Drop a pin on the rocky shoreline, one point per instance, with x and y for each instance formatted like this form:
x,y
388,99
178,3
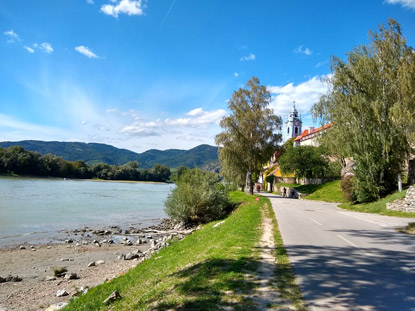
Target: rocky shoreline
x,y
29,278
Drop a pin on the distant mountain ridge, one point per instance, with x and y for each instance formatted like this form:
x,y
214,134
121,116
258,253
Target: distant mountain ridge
x,y
94,153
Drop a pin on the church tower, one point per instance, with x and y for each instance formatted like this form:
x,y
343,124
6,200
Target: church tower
x,y
293,124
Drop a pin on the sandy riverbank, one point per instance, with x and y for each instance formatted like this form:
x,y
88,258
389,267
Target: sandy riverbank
x,y
33,264
34,292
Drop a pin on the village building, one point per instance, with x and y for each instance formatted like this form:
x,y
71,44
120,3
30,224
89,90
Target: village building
x,y
309,137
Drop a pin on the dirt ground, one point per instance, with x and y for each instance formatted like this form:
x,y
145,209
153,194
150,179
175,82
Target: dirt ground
x,y
34,292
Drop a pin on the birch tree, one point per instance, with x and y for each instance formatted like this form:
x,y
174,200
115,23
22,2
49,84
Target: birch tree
x,y
371,103
251,132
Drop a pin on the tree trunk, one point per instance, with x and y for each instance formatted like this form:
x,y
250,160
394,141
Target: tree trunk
x,y
249,183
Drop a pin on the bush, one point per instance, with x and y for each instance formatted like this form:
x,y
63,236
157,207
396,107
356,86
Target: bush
x,y
347,187
198,198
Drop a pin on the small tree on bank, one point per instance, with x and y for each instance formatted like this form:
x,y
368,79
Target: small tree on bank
x,y
198,198
371,103
250,134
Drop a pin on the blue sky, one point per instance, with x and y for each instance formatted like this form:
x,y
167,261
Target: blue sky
x,y
158,73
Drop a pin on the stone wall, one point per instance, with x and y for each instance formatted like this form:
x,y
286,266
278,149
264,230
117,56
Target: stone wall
x,y
405,205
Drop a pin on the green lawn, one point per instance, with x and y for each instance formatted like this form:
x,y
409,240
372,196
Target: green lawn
x,y
379,207
328,192
210,269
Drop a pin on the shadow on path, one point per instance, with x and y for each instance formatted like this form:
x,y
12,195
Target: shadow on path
x,y
370,279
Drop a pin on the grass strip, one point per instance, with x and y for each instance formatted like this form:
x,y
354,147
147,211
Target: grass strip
x,y
208,270
379,207
327,192
284,274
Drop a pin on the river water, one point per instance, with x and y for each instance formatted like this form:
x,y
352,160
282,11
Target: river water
x,y
35,210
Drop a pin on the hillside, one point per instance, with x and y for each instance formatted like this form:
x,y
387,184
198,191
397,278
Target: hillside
x,y
91,153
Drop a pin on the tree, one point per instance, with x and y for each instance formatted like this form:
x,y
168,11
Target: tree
x,y
371,103
161,172
307,162
250,134
198,198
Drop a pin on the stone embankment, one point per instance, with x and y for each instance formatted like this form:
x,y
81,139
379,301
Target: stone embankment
x,y
406,204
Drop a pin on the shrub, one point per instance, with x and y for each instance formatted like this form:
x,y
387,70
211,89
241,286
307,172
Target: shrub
x,y
198,198
347,187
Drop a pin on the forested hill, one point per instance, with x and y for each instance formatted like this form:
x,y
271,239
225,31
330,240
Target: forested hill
x,y
91,153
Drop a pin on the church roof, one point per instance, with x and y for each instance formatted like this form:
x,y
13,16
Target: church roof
x,y
307,134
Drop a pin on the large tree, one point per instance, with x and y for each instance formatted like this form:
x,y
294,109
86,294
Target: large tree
x,y
250,133
371,103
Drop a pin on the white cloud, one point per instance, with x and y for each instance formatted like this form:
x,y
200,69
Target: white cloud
x,y
249,57
12,36
405,3
29,49
198,118
13,129
90,1
44,47
235,74
304,94
129,7
86,51
301,50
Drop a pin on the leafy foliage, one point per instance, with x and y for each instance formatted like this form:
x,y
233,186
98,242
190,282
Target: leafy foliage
x,y
250,134
308,162
371,104
346,185
17,160
198,198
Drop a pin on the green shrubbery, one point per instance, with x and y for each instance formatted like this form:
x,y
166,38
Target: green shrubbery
x,y
198,198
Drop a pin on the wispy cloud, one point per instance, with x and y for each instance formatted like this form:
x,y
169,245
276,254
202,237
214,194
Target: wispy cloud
x,y
86,51
198,118
235,74
129,7
301,50
12,36
248,57
90,1
320,64
29,49
45,47
304,94
405,3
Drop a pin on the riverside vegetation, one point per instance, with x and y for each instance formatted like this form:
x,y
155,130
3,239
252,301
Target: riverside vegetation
x,y
17,160
212,268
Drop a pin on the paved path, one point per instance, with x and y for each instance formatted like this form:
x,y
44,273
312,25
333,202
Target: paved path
x,y
346,260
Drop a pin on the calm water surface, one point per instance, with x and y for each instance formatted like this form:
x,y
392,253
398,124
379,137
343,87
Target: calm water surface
x,y
35,209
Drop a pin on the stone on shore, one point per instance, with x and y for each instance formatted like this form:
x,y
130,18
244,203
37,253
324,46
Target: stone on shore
x,y
71,276
92,264
61,293
111,298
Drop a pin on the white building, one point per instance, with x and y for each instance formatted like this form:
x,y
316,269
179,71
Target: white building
x,y
293,124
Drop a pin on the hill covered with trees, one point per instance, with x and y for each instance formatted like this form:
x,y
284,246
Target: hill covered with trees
x,y
92,153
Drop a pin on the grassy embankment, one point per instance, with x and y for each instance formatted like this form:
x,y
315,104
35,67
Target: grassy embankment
x,y
210,269
331,192
327,192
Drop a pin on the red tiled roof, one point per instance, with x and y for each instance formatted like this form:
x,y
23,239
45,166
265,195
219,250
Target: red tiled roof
x,y
306,133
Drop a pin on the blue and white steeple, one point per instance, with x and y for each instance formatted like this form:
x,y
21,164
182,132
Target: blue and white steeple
x,y
293,124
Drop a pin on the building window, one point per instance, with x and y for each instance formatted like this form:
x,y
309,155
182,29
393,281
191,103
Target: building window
x,y
296,130
288,130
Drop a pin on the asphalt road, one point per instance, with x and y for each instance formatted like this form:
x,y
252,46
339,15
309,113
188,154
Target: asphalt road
x,y
346,260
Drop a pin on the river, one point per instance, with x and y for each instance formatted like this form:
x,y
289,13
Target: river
x,y
36,210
